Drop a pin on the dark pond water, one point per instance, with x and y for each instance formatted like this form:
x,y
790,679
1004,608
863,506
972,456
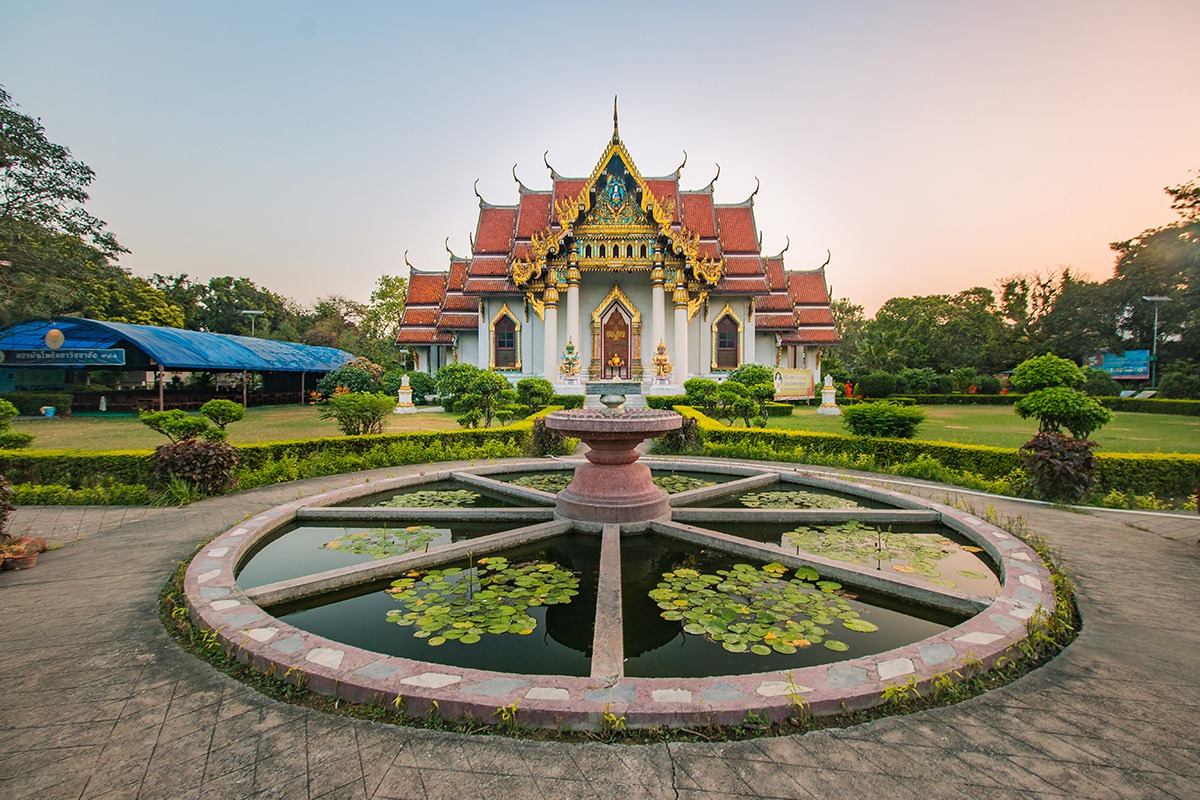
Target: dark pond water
x,y
559,644
299,549
657,647
486,499
969,571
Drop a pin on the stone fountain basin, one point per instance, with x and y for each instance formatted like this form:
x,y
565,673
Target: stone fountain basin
x,y
590,423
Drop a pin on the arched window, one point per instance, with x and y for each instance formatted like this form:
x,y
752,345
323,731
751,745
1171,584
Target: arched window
x,y
506,338
602,251
643,251
725,355
629,251
587,251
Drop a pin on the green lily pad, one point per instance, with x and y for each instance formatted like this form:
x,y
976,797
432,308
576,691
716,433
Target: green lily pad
x,y
552,482
674,484
943,582
795,499
972,574
384,542
836,646
430,498
860,625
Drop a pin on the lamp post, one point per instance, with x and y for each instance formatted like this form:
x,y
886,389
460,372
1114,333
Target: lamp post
x,y
1156,299
253,315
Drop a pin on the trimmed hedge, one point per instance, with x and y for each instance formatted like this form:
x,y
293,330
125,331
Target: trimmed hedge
x,y
567,401
1153,405
27,494
669,401
1165,475
964,399
29,404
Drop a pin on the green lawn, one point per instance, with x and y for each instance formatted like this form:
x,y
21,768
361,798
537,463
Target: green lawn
x,y
269,424
1000,426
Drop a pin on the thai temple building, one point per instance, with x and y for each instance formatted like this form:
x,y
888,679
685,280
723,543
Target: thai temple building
x,y
617,276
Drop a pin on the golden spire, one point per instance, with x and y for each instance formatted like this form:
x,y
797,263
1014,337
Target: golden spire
x,y
616,132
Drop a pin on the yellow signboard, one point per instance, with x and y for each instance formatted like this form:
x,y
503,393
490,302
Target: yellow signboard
x,y
794,384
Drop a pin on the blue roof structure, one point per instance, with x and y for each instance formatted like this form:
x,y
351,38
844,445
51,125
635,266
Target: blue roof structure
x,y
178,349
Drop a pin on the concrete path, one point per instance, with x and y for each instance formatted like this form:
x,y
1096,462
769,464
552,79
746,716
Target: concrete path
x,y
99,702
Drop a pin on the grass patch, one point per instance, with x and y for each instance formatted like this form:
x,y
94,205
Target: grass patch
x,y
998,426
265,424
1047,636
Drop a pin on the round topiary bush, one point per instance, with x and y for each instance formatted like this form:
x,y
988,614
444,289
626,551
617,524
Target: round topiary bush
x,y
876,384
883,419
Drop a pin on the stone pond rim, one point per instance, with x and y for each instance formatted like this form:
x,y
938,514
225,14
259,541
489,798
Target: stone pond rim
x,y
611,487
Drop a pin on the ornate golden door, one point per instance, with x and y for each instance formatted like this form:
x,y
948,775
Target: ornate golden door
x,y
617,340
616,334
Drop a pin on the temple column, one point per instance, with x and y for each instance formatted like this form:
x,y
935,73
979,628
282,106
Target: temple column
x,y
658,308
550,334
485,338
573,300
680,357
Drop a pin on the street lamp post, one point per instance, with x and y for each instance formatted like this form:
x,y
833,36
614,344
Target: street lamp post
x,y
1156,299
253,315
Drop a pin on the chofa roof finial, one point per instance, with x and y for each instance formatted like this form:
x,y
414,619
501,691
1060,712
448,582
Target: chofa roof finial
x,y
475,188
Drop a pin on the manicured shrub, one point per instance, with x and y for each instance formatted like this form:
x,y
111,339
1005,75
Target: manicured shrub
x,y
917,381
1045,371
1153,405
223,412
28,494
1178,386
15,440
453,381
545,442
752,374
569,401
963,378
29,404
876,385
175,424
536,393
360,375
669,401
1059,467
684,439
1098,383
7,413
988,384
357,413
702,393
206,466
1059,407
883,419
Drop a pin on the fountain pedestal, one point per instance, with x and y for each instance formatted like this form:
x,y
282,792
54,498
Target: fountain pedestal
x,y
612,487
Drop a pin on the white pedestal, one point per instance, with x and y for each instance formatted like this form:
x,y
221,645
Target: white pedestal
x,y
829,403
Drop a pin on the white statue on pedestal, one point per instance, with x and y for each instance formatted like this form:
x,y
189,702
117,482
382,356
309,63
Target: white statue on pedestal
x,y
829,399
404,404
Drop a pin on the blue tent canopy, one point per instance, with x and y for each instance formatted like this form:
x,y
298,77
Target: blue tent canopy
x,y
177,349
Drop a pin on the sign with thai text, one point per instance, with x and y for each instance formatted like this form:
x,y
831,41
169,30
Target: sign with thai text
x,y
1131,365
65,357
794,384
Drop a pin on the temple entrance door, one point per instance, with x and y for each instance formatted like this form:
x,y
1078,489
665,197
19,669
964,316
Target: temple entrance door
x,y
617,349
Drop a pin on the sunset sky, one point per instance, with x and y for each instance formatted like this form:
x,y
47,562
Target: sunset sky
x,y
930,146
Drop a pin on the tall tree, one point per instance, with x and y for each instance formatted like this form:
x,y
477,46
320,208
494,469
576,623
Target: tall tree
x,y
57,257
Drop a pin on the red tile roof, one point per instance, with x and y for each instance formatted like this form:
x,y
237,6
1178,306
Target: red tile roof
x,y
735,224
709,249
775,301
811,336
775,274
535,213
423,336
489,267
458,321
426,288
774,321
743,266
808,288
458,275
819,315
666,189
742,286
495,231
460,302
419,315
490,286
698,213
568,188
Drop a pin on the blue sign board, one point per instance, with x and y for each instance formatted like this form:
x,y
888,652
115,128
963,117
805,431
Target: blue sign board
x,y
65,357
1132,364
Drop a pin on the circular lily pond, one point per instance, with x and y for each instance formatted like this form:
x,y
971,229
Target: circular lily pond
x,y
763,589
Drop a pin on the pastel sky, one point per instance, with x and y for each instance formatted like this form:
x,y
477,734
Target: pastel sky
x,y
930,146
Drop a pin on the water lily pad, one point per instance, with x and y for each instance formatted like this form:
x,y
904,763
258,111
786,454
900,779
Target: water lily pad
x,y
385,542
972,574
490,599
760,650
943,582
860,625
836,646
552,482
429,498
674,484
795,499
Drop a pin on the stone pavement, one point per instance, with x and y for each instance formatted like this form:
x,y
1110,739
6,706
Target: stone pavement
x,y
100,703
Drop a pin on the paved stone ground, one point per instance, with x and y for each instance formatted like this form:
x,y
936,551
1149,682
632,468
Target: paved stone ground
x,y
100,703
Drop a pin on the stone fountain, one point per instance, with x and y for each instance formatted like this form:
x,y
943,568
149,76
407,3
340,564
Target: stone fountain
x,y
612,487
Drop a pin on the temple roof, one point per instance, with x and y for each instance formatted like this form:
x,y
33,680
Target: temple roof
x,y
721,239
